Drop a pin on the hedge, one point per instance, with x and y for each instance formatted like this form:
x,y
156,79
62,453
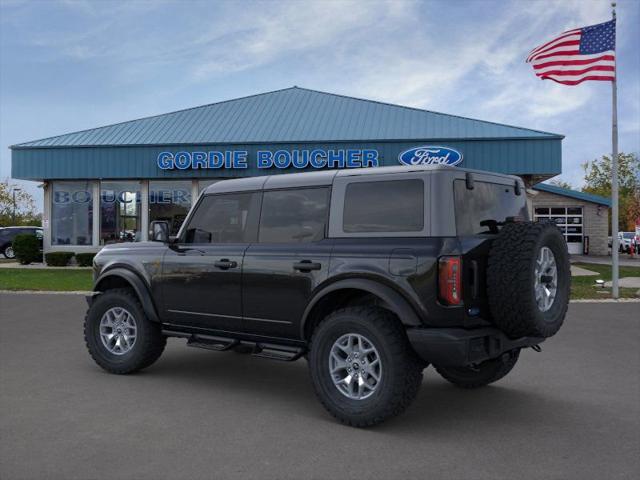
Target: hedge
x,y
85,259
27,248
58,259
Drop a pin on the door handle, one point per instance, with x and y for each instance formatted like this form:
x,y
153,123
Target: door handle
x,y
306,266
225,264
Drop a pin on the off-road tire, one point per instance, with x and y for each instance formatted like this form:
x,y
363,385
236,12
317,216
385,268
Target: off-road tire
x,y
510,279
401,375
487,372
149,344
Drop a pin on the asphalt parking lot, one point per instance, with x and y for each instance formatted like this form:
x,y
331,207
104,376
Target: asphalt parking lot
x,y
572,411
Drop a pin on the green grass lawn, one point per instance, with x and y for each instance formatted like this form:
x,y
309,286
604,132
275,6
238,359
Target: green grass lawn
x,y
583,287
45,279
69,280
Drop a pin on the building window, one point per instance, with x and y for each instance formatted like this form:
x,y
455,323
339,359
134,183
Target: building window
x,y
72,213
294,216
202,184
170,201
119,212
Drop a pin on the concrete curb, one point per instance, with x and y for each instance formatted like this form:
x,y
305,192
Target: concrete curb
x,y
606,300
45,292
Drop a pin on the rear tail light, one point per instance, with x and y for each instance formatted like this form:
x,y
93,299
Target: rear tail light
x,y
450,280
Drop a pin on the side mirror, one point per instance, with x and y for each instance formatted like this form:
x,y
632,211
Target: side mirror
x,y
159,231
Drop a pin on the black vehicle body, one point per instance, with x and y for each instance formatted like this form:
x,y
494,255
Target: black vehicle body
x,y
8,234
269,296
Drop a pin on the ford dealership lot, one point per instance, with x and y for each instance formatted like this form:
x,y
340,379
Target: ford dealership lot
x,y
570,413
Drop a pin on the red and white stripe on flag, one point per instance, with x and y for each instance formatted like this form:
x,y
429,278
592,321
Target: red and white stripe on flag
x,y
577,55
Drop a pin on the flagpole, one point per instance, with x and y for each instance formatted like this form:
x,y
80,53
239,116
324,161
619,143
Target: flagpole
x,y
614,177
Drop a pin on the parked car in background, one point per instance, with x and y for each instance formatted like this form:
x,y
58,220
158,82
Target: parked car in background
x,y
625,241
7,234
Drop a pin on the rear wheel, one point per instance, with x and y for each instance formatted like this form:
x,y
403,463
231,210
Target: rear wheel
x,y
480,375
362,366
119,336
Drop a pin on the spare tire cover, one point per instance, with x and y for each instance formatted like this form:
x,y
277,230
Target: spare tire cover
x,y
529,279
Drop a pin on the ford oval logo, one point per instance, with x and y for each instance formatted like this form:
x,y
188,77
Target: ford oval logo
x,y
430,155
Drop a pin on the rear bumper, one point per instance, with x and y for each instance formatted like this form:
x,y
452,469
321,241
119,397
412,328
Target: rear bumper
x,y
458,347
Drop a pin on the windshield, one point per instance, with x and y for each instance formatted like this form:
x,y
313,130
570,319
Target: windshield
x,y
628,234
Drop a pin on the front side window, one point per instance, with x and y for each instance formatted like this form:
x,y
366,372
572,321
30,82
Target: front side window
x,y
119,212
72,213
226,218
293,216
384,206
169,201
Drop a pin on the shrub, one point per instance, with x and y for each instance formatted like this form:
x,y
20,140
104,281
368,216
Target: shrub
x,y
58,259
85,259
27,248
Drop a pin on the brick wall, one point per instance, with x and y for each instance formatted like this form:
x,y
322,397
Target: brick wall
x,y
594,226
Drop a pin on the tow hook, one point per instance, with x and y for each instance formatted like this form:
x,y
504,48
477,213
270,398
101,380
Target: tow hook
x,y
536,348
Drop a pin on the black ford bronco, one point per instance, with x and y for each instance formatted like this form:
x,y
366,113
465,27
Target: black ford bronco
x,y
370,274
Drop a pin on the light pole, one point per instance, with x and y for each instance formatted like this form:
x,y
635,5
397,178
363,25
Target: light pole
x,y
14,203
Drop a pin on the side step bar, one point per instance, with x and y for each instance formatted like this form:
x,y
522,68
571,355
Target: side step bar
x,y
211,343
258,349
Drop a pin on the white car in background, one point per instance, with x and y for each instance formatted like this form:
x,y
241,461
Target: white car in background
x,y
625,240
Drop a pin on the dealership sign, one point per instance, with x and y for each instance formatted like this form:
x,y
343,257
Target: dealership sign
x,y
264,159
430,155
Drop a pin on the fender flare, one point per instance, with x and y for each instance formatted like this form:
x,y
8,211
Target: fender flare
x,y
397,303
138,285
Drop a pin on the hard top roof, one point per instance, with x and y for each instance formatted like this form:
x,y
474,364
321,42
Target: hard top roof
x,y
325,177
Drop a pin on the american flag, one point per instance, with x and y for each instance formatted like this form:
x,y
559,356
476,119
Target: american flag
x,y
587,53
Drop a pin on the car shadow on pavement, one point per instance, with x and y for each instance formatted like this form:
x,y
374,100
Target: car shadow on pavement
x,y
439,407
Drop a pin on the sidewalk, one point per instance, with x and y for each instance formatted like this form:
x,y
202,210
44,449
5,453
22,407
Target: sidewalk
x,y
39,266
625,260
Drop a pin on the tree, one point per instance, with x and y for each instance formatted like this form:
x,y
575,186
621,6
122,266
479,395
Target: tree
x,y
597,180
557,182
25,207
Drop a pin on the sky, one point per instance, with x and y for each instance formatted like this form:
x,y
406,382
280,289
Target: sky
x,y
72,65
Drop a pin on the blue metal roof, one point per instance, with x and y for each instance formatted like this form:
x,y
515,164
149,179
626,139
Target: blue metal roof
x,y
289,116
565,192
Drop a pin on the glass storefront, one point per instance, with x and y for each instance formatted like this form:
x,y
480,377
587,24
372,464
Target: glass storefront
x,y
116,212
170,201
119,212
72,213
202,184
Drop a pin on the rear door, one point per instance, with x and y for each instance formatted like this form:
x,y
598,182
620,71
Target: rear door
x,y
289,260
202,272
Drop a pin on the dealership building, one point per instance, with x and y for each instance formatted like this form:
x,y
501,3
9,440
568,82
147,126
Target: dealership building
x,y
105,185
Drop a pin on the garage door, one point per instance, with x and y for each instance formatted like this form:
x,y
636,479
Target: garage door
x,y
569,220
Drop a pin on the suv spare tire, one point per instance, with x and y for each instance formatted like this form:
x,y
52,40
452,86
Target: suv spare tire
x,y
528,279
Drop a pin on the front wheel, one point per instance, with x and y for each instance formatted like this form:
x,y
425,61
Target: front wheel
x,y
362,366
9,253
480,375
119,336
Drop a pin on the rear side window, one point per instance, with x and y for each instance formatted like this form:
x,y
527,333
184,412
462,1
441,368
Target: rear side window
x,y
293,216
384,206
487,201
228,218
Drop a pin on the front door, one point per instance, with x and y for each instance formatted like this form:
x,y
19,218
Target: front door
x,y
202,271
290,259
